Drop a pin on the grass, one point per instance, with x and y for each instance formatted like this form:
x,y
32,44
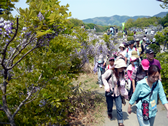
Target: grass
x,y
93,117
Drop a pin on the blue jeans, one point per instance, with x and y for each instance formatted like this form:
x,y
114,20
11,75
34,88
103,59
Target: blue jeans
x,y
118,102
150,122
100,72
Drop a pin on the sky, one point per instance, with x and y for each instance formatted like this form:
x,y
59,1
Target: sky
x,y
84,9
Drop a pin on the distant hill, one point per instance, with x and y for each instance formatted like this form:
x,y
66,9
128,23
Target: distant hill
x,y
161,14
116,19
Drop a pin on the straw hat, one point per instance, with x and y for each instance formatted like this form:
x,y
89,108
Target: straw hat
x,y
119,63
134,53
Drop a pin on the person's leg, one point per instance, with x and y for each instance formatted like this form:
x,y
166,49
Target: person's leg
x,y
151,120
140,119
118,103
102,72
109,101
99,77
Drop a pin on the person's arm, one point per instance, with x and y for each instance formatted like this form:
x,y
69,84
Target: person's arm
x,y
133,85
104,77
125,60
134,74
162,95
134,97
166,107
129,74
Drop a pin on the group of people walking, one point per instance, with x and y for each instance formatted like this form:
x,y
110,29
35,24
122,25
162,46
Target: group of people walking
x,y
129,76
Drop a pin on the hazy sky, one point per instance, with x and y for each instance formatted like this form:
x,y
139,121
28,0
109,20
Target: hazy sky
x,y
83,9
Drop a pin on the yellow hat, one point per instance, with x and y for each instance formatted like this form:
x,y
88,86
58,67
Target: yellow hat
x,y
135,54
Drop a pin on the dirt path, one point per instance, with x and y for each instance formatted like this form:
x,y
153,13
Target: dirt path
x,y
131,119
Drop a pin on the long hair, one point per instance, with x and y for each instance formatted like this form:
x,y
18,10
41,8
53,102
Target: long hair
x,y
118,75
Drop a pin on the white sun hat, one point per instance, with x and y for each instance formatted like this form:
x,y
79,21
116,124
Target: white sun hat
x,y
119,63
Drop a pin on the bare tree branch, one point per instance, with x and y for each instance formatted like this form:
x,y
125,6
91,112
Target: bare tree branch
x,y
22,58
23,102
34,97
19,51
5,49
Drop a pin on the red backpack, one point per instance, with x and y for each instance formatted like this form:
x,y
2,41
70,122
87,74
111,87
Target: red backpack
x,y
135,50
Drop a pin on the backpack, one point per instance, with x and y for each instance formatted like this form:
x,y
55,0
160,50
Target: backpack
x,y
135,50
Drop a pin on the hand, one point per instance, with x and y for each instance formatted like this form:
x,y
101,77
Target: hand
x,y
108,90
133,90
129,109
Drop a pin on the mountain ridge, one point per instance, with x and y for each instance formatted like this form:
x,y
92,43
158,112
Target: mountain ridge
x,y
117,19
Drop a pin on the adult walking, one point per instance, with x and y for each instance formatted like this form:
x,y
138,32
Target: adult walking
x,y
147,91
152,61
139,47
113,88
139,73
129,51
99,67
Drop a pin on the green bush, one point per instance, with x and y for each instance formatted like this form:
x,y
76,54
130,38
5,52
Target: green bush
x,y
130,33
155,48
129,38
163,58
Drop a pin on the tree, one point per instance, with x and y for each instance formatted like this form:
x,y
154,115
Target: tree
x,y
36,65
7,6
164,3
164,21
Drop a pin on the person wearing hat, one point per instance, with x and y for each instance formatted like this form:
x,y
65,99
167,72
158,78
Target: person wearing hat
x,y
126,45
139,47
139,73
129,71
99,67
114,84
147,44
129,51
121,52
152,61
146,96
111,64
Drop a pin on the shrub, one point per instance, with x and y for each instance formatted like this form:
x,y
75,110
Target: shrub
x,y
163,58
129,38
130,33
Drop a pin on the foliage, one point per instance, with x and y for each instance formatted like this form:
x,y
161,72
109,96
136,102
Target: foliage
x,y
163,58
75,22
142,22
162,36
164,21
164,4
130,33
7,6
37,63
129,38
82,102
155,48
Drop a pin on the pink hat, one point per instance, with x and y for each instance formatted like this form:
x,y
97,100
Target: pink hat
x,y
112,58
145,64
